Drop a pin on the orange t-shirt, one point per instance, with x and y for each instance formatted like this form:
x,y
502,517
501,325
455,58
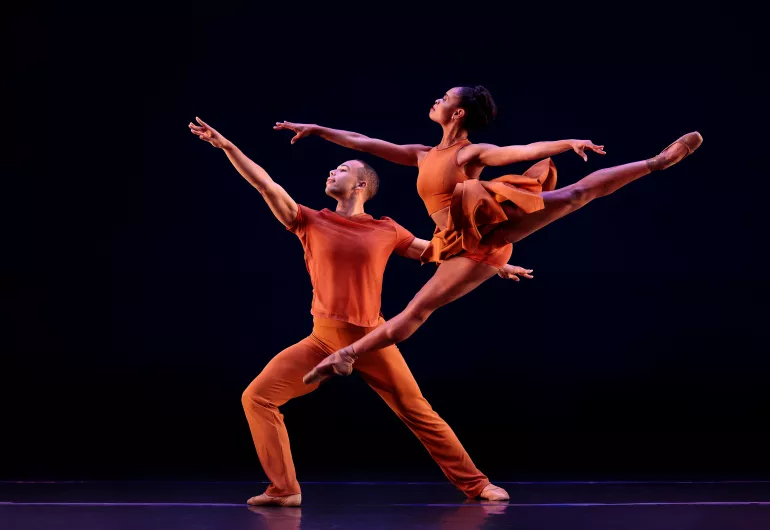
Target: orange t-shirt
x,y
346,258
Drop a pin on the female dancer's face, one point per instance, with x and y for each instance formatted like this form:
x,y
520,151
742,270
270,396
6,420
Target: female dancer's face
x,y
343,181
447,106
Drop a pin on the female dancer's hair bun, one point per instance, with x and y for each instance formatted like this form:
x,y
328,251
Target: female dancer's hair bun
x,y
480,108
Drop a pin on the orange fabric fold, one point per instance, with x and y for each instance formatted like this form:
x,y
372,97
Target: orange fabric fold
x,y
476,210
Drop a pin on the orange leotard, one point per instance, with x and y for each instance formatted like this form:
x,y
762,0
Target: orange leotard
x,y
438,176
475,205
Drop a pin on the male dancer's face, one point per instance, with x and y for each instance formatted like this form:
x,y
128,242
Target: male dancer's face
x,y
343,182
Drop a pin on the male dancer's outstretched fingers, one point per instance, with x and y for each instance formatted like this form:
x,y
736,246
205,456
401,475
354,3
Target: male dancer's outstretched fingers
x,y
301,129
207,133
512,272
196,129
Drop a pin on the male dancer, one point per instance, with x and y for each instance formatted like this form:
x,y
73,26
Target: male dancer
x,y
345,253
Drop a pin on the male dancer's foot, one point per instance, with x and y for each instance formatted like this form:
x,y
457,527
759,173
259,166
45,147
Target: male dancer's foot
x,y
269,500
676,152
494,493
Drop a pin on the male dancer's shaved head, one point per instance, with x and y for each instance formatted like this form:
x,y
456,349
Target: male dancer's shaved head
x,y
369,175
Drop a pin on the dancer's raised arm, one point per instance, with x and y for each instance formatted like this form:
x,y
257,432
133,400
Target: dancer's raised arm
x,y
280,202
493,155
406,155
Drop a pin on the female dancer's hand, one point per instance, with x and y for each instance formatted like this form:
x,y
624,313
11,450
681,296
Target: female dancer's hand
x,y
207,133
302,129
512,272
579,146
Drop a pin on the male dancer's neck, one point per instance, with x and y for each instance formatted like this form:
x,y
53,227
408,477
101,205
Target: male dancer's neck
x,y
349,207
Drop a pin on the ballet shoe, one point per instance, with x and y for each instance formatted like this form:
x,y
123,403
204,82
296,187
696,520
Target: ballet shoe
x,y
338,363
494,493
676,152
269,500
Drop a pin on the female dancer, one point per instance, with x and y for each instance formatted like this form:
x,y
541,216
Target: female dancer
x,y
477,221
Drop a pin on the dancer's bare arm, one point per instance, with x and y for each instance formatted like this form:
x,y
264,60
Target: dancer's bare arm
x,y
281,204
508,272
416,249
493,155
407,155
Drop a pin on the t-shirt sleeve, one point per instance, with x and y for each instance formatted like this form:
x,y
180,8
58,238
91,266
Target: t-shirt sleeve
x,y
300,223
404,238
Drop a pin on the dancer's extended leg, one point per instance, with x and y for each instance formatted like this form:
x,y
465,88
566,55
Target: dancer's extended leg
x,y
568,199
458,276
387,373
279,382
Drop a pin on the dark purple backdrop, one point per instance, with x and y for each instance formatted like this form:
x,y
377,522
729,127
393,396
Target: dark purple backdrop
x,y
145,283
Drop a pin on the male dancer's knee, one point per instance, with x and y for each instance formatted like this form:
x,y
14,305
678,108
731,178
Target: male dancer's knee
x,y
252,399
414,409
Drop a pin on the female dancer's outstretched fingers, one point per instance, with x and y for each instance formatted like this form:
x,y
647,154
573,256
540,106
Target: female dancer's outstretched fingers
x,y
598,149
301,129
580,146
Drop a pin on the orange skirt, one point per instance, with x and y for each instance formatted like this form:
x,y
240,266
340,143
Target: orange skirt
x,y
476,210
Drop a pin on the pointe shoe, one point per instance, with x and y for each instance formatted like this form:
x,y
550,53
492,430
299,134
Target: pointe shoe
x,y
338,363
269,500
494,493
676,152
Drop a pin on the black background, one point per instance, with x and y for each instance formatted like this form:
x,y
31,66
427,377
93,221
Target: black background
x,y
145,283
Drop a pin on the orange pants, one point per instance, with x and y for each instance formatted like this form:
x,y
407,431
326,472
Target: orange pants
x,y
384,370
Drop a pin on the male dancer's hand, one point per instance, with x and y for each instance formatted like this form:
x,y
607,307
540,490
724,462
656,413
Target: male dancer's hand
x,y
512,272
301,129
207,133
580,146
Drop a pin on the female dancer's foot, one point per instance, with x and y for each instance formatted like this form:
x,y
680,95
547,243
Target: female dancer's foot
x,y
269,500
676,152
494,493
339,363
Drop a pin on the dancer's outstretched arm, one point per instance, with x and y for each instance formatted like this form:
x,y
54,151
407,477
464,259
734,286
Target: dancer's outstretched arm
x,y
281,204
508,272
405,155
493,155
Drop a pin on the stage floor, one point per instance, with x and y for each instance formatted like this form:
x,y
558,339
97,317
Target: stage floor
x,y
378,505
